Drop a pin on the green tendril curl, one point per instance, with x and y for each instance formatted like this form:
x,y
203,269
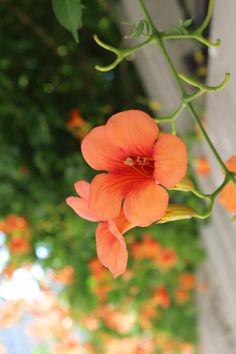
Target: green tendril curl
x,y
155,36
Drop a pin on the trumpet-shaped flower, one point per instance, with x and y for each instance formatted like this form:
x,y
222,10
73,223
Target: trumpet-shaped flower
x,y
140,163
111,247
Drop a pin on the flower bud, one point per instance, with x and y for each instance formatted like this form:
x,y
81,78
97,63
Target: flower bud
x,y
185,185
177,212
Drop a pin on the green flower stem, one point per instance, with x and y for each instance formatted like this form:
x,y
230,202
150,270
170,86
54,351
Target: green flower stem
x,y
211,198
202,195
207,19
195,95
192,35
206,136
120,53
172,117
197,34
203,87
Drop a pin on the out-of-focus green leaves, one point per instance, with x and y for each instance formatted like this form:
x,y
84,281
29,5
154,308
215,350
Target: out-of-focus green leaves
x,y
69,14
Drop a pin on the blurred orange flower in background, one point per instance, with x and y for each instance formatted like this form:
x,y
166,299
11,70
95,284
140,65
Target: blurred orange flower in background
x,y
146,314
64,275
128,345
69,345
228,195
77,124
99,272
19,245
11,311
9,270
149,248
14,223
181,296
167,259
202,166
161,297
103,281
187,281
50,318
120,321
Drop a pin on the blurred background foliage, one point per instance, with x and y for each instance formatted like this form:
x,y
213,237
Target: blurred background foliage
x,y
51,96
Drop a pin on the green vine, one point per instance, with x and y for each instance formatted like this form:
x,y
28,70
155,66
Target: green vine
x,y
155,36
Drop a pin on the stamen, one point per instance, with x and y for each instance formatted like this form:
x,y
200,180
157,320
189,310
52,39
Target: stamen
x,y
129,161
143,165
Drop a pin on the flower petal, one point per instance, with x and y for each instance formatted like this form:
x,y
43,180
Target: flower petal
x,y
121,223
228,197
82,188
80,206
106,196
111,249
134,131
231,164
170,156
99,152
146,204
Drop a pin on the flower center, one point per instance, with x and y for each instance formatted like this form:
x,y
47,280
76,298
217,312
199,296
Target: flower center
x,y
143,165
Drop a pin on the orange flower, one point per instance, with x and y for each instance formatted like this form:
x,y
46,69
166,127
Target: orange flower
x,y
228,195
77,124
148,248
11,312
121,322
9,270
90,322
146,314
64,275
98,271
123,345
187,281
202,166
101,290
51,319
140,163
187,348
161,298
13,223
19,245
111,247
166,259
69,345
181,296
76,120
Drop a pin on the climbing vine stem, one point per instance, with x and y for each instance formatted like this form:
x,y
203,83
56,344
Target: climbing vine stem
x,y
158,37
178,78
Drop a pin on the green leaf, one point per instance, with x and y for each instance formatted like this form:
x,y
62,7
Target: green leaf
x,y
69,15
186,23
138,29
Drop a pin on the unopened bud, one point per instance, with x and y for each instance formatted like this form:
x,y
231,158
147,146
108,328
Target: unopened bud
x,y
185,185
177,212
